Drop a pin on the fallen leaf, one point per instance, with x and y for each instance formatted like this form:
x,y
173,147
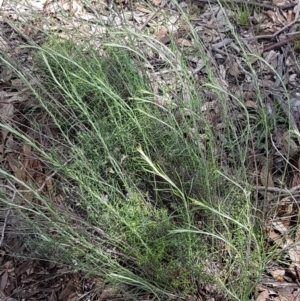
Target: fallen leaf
x,y
263,296
173,19
279,2
27,155
294,253
6,113
266,177
297,235
68,291
3,280
289,146
163,100
278,19
273,235
286,297
156,2
234,69
143,9
279,226
278,275
296,180
184,42
290,16
285,207
162,35
251,104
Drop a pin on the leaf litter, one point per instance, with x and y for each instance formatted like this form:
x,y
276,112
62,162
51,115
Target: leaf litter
x,y
273,27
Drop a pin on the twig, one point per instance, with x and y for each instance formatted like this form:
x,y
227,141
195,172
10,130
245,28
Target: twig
x,y
269,36
276,189
221,44
254,3
279,44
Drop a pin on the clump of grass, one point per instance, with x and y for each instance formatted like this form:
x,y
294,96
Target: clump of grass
x,y
243,15
149,202
106,102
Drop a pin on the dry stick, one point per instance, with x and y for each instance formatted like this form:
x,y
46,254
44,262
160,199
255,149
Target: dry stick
x,y
281,43
268,6
275,189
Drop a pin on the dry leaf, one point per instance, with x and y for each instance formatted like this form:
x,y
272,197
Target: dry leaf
x,y
68,291
280,2
234,69
290,16
274,236
266,177
296,180
294,253
156,2
184,42
278,275
279,226
49,185
251,104
289,145
285,208
162,35
15,166
297,234
143,9
285,297
173,19
263,296
278,19
3,280
163,100
27,155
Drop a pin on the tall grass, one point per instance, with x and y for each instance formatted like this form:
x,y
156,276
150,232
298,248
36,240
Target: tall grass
x,y
157,198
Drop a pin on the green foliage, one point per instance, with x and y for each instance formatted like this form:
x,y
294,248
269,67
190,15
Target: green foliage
x,y
112,119
242,13
243,17
104,100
